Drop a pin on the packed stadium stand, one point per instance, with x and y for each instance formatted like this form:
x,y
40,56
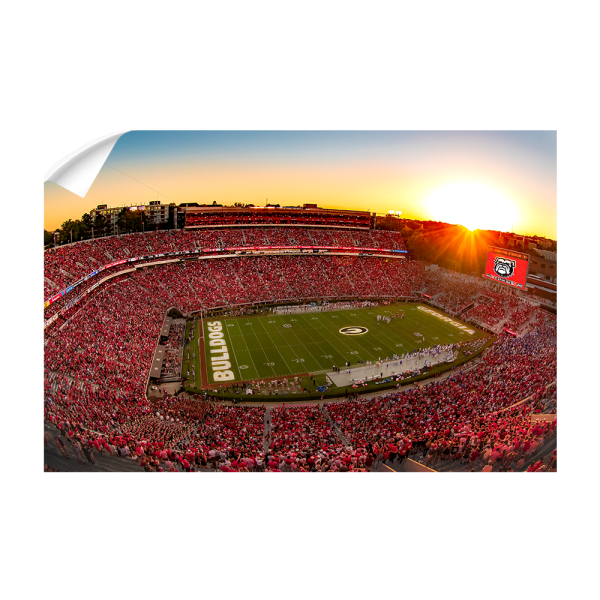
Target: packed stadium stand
x,y
65,265
105,301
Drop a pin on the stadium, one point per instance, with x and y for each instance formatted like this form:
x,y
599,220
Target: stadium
x,y
289,339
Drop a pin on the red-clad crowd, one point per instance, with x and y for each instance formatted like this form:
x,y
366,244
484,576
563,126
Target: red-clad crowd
x,y
225,282
461,294
492,310
67,264
98,354
480,401
480,419
109,339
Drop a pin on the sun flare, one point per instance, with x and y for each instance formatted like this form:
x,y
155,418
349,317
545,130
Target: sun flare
x,y
472,205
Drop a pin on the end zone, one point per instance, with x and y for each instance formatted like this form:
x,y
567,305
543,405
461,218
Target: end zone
x,y
448,320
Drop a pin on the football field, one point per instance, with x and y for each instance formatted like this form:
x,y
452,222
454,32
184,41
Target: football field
x,y
271,346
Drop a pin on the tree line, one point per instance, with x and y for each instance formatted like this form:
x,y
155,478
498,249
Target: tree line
x,y
129,221
452,246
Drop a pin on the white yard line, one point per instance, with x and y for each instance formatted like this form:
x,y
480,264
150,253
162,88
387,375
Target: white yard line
x,y
272,342
250,353
327,341
301,344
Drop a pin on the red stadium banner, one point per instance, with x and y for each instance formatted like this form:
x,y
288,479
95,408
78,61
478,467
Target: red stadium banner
x,y
507,266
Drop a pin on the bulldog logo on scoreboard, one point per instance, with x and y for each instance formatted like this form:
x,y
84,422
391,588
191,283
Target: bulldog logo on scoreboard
x,y
504,267
353,330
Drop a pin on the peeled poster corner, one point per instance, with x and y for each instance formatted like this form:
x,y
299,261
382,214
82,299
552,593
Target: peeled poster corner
x,y
77,171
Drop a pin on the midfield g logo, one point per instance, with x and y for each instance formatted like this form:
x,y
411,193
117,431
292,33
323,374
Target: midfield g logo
x,y
504,267
353,330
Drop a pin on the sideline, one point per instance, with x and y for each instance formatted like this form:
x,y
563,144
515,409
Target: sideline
x,y
202,351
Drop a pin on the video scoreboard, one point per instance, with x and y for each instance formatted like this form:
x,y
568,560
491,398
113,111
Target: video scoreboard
x,y
507,266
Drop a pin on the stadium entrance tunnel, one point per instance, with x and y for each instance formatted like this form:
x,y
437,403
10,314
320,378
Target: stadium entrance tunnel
x,y
175,313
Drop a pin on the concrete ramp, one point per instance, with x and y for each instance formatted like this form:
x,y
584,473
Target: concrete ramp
x,y
407,466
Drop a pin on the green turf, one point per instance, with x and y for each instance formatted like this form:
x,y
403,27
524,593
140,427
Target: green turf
x,y
261,347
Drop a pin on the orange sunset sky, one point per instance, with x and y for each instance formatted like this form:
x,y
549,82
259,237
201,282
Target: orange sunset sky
x,y
490,180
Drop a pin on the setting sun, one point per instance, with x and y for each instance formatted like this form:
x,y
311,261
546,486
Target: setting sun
x,y
472,205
